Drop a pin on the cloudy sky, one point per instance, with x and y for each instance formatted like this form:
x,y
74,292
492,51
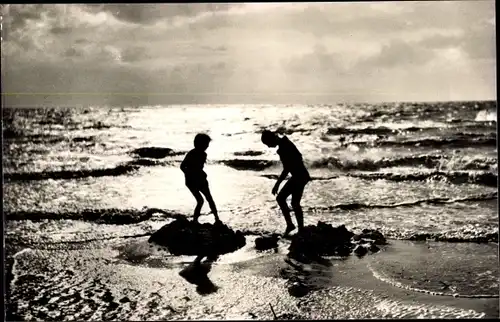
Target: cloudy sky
x,y
248,53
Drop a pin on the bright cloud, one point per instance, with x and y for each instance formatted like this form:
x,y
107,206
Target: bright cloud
x,y
255,52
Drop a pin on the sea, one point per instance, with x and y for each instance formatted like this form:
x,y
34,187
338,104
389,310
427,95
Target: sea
x,y
81,176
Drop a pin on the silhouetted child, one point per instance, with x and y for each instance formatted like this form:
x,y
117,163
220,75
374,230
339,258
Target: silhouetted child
x,y
196,178
292,162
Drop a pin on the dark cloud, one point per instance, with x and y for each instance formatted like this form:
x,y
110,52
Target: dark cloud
x,y
150,13
72,52
15,17
398,53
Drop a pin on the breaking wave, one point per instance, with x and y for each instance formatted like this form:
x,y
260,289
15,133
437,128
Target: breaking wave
x,y
111,216
427,161
486,116
485,178
71,174
461,141
354,206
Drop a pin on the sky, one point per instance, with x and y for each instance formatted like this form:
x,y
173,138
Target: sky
x,y
202,53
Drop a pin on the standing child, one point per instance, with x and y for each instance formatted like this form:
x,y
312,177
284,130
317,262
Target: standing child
x,y
196,178
292,162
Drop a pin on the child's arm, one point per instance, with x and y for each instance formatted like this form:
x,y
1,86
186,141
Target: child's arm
x,y
184,164
282,177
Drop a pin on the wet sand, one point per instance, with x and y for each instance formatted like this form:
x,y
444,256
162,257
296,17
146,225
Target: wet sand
x,y
105,282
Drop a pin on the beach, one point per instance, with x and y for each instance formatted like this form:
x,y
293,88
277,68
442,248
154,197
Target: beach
x,y
85,187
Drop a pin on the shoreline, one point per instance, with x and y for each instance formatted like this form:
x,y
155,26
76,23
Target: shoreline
x,y
349,281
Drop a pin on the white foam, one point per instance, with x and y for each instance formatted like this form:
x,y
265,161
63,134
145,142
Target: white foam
x,y
486,115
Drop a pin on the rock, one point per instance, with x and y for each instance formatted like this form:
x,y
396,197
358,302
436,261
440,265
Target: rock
x,y
373,248
266,242
356,238
344,250
374,235
184,237
420,237
360,250
321,240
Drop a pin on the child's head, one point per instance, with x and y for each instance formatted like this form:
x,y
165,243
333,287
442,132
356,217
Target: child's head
x,y
269,138
201,141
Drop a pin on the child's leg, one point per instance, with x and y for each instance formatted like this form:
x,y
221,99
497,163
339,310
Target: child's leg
x,y
198,259
298,190
199,202
281,198
206,192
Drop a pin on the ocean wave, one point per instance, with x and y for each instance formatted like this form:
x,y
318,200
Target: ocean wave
x,y
111,216
486,115
250,153
458,236
483,141
13,136
468,140
355,206
425,160
485,178
283,129
155,152
71,174
438,162
462,129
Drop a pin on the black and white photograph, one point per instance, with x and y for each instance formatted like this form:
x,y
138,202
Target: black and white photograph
x,y
250,161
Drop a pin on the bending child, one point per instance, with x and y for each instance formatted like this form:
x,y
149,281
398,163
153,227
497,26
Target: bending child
x,y
292,162
196,178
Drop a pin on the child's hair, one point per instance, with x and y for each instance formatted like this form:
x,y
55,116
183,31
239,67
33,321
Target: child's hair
x,y
201,140
267,136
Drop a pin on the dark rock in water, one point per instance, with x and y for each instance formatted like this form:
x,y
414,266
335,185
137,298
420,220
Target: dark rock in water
x,y
298,289
321,240
184,237
266,242
420,237
313,242
154,152
373,248
360,250
374,235
344,250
